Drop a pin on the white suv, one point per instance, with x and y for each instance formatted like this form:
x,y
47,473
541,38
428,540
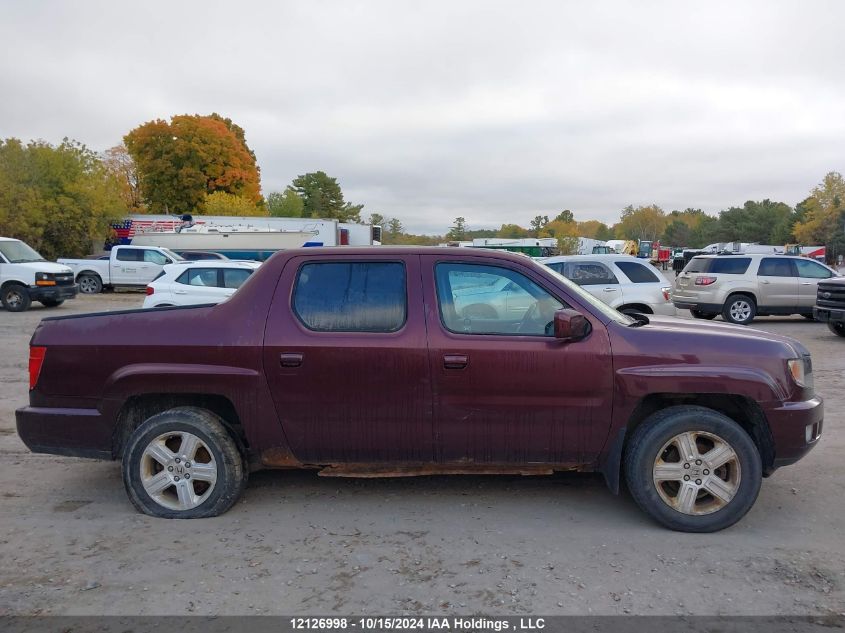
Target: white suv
x,y
740,287
207,281
623,282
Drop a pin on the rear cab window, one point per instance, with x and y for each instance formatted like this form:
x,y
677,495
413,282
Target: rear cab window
x,y
351,296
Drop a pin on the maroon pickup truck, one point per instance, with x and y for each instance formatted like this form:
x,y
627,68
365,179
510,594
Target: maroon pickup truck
x,y
421,361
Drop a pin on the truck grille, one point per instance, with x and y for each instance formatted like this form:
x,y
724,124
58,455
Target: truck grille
x,y
64,280
831,295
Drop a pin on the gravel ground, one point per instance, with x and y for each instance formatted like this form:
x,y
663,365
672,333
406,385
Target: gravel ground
x,y
297,544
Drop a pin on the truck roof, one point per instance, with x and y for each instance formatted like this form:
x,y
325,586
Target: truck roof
x,y
333,251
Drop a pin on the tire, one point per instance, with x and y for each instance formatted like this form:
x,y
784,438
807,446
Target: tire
x,y
837,327
656,442
154,447
809,317
698,314
739,309
90,284
15,298
52,303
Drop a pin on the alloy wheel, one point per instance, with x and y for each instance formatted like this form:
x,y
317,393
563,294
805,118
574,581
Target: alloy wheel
x,y
178,470
740,310
697,473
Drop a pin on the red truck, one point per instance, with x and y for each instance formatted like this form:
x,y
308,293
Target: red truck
x,y
381,362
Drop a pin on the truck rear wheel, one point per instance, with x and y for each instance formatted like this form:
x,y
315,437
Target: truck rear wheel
x,y
15,298
90,284
183,464
693,469
52,303
837,327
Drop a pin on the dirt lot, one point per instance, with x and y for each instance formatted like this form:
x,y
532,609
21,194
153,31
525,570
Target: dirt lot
x,y
72,544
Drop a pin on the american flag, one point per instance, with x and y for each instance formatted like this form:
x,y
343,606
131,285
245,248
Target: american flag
x,y
127,229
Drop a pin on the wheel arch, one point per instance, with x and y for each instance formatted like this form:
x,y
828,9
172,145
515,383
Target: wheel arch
x,y
642,308
88,271
138,408
741,409
747,293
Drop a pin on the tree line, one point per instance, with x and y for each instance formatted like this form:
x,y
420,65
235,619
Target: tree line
x,y
819,219
61,197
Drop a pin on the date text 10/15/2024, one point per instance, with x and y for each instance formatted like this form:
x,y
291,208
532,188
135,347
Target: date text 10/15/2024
x,y
418,624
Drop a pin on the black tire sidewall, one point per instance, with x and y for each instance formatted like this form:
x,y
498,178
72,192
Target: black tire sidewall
x,y
52,303
726,312
655,432
26,300
837,327
231,475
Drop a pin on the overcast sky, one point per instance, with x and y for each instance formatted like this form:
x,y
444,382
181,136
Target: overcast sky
x,y
496,111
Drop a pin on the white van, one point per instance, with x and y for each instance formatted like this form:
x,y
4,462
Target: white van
x,y
25,277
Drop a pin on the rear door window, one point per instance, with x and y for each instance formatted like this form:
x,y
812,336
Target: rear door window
x,y
129,255
775,267
638,273
589,273
351,296
206,277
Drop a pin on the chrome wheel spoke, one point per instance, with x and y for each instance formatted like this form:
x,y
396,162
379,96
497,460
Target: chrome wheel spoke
x,y
157,483
189,446
723,491
719,455
204,472
686,498
159,452
686,446
668,471
186,494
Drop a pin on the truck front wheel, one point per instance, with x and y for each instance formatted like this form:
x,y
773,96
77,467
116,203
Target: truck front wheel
x,y
693,469
183,464
90,284
15,298
52,303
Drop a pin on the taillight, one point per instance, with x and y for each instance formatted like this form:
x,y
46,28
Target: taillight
x,y
36,360
704,281
665,290
150,290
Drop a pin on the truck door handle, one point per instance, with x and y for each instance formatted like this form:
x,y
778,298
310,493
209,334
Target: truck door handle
x,y
764,281
180,292
610,289
289,359
455,361
806,283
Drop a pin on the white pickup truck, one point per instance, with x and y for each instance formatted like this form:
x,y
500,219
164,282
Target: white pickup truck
x,y
126,266
25,277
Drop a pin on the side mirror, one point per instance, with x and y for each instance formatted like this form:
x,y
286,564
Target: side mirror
x,y
570,325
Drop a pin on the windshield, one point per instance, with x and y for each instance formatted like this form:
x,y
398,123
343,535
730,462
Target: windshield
x,y
16,252
586,297
172,255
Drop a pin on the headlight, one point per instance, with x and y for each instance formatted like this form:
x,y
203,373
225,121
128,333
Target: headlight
x,y
45,279
801,370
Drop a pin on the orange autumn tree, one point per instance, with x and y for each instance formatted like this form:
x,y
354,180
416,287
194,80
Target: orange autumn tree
x,y
181,162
